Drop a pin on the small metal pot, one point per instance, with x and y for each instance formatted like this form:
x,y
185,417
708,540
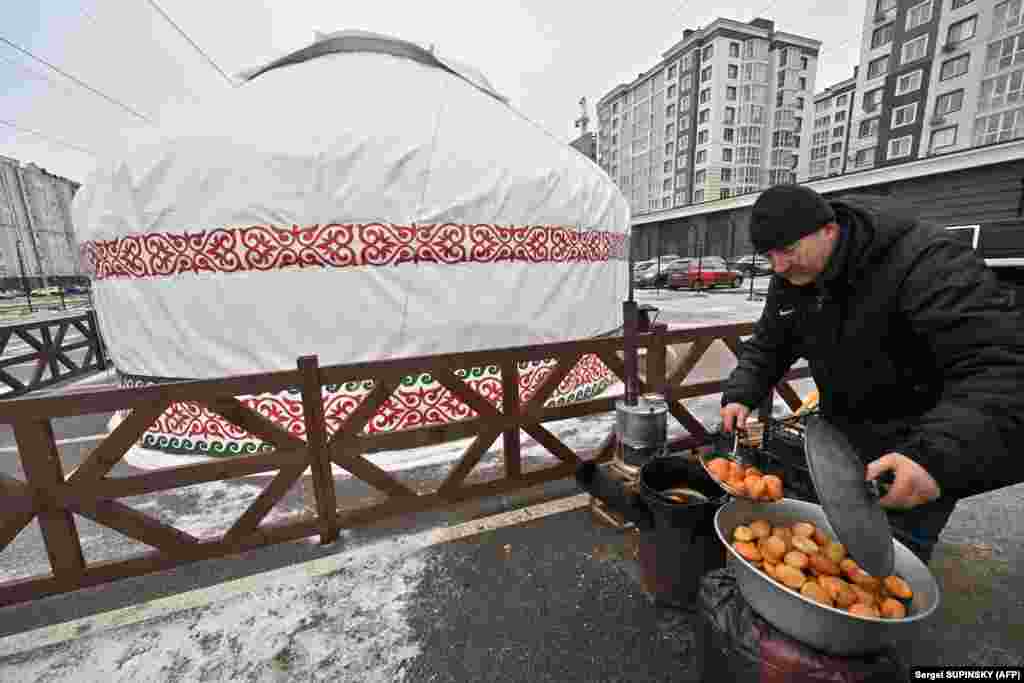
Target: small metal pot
x,y
826,628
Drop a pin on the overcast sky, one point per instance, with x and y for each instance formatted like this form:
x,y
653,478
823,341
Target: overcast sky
x,y
542,54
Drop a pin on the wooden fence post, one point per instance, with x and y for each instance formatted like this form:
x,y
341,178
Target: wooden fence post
x,y
510,405
101,352
656,352
316,446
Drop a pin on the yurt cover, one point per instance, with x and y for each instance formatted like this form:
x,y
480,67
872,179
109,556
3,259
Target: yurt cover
x,y
362,198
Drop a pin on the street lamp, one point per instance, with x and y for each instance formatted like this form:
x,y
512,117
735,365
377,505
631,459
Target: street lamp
x,y
24,278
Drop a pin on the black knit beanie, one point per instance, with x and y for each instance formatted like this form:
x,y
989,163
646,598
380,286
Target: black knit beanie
x,y
785,213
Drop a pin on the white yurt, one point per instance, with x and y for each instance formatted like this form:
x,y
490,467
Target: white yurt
x,y
359,199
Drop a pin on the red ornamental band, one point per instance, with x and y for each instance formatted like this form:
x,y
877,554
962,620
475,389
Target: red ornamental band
x,y
341,245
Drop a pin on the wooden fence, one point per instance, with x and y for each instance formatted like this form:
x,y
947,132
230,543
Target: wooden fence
x,y
50,352
53,496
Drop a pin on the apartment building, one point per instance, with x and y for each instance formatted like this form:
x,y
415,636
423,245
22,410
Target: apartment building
x,y
826,141
935,77
721,114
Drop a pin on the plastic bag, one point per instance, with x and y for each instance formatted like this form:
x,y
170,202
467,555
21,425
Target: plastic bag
x,y
738,645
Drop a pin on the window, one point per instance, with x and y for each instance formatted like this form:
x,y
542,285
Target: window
x,y
840,116
999,127
882,35
954,67
703,116
914,49
698,196
944,137
962,30
883,6
726,175
957,4
864,157
730,115
783,56
708,52
868,128
900,147
949,102
909,82
782,79
904,116
919,15
837,148
734,49
834,163
671,92
1007,16
670,110
702,136
842,100
702,156
726,154
667,167
699,177
1001,90
730,93
671,72
872,101
705,95
1002,54
803,83
733,71
670,148
670,130
666,186
878,67
838,131
728,134
799,103
778,98
705,74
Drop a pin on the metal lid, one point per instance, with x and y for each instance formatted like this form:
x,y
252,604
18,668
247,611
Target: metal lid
x,y
850,502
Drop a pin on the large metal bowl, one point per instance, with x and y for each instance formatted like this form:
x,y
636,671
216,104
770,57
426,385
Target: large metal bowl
x,y
825,628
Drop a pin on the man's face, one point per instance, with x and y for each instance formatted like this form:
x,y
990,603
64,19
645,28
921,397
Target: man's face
x,y
801,262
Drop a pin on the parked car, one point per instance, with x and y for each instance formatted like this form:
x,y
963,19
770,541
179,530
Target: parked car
x,y
46,291
653,277
705,273
752,264
76,289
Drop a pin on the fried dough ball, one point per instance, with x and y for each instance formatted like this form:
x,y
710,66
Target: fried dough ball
x,y
773,548
892,609
815,592
835,552
748,551
822,565
739,486
736,470
795,558
897,587
820,537
805,545
743,533
862,610
849,568
761,528
863,596
840,591
756,488
719,468
786,534
868,582
769,568
805,529
772,487
753,472
790,576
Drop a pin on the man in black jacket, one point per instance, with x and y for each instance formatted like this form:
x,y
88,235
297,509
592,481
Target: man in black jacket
x,y
917,352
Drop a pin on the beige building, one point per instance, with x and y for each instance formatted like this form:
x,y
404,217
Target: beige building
x,y
722,114
829,131
936,77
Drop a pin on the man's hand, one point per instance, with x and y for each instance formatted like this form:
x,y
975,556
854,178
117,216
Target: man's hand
x,y
734,414
913,485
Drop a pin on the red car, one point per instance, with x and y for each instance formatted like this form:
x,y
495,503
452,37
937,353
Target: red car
x,y
705,273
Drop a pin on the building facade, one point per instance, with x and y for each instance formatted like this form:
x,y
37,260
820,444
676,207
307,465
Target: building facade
x,y
936,77
828,137
722,114
36,236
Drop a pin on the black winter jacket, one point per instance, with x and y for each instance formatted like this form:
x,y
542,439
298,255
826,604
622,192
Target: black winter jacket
x,y
909,338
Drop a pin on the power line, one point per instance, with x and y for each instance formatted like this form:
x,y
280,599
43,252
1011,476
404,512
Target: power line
x,y
47,137
191,42
78,81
